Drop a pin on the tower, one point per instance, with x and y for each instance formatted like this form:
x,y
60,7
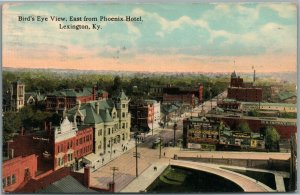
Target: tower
x,y
17,97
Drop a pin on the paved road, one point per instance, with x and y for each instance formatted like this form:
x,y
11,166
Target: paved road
x,y
247,184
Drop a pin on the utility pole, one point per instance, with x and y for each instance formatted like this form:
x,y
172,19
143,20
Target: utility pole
x,y
111,139
136,155
174,128
160,147
114,169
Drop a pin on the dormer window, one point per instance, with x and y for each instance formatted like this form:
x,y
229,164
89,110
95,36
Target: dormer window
x,y
78,119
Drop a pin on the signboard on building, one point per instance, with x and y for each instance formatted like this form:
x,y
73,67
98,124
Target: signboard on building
x,y
194,146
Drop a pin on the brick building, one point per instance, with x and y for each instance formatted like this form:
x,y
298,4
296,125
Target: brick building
x,y
145,114
67,98
241,91
284,126
184,99
71,143
159,91
17,171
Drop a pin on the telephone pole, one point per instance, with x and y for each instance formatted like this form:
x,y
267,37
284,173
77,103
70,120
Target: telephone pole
x,y
136,155
114,169
174,128
160,147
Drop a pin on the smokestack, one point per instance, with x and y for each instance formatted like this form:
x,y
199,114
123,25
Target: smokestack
x,y
254,76
86,177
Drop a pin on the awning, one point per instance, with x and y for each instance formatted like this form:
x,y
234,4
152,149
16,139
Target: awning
x,y
91,158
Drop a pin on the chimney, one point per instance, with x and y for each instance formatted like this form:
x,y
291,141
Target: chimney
x,y
97,107
86,177
94,92
22,131
11,154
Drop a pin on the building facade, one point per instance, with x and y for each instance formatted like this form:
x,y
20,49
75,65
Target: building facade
x,y
109,119
17,95
17,171
67,98
240,91
71,143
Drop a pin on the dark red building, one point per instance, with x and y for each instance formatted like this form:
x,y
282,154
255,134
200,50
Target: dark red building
x,y
188,99
241,91
245,94
17,171
67,98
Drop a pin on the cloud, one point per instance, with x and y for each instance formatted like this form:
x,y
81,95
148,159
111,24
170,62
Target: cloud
x,y
284,10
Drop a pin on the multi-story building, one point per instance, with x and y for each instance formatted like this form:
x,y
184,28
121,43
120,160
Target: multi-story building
x,y
17,171
109,118
177,93
67,98
184,99
145,114
71,143
240,91
17,95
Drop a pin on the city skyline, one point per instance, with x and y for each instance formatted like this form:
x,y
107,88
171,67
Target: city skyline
x,y
217,37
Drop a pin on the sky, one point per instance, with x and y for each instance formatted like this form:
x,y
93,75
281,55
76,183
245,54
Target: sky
x,y
190,37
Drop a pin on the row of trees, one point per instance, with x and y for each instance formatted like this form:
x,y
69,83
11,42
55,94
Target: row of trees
x,y
28,117
48,82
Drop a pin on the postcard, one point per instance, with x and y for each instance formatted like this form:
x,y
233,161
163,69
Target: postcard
x,y
149,97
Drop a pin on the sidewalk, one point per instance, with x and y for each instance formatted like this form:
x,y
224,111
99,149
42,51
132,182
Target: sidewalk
x,y
145,179
108,157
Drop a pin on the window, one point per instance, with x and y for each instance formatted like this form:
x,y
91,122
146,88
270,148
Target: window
x,y
77,142
123,105
108,131
123,125
8,181
13,179
4,182
123,114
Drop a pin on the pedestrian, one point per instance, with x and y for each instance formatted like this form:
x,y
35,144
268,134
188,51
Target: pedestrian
x,y
102,160
155,168
164,154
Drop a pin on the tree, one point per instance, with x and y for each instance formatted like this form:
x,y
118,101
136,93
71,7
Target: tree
x,y
244,127
272,138
11,125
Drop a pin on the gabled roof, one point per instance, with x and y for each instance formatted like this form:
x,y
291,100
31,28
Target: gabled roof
x,y
286,95
106,116
73,93
122,95
67,184
91,117
88,110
